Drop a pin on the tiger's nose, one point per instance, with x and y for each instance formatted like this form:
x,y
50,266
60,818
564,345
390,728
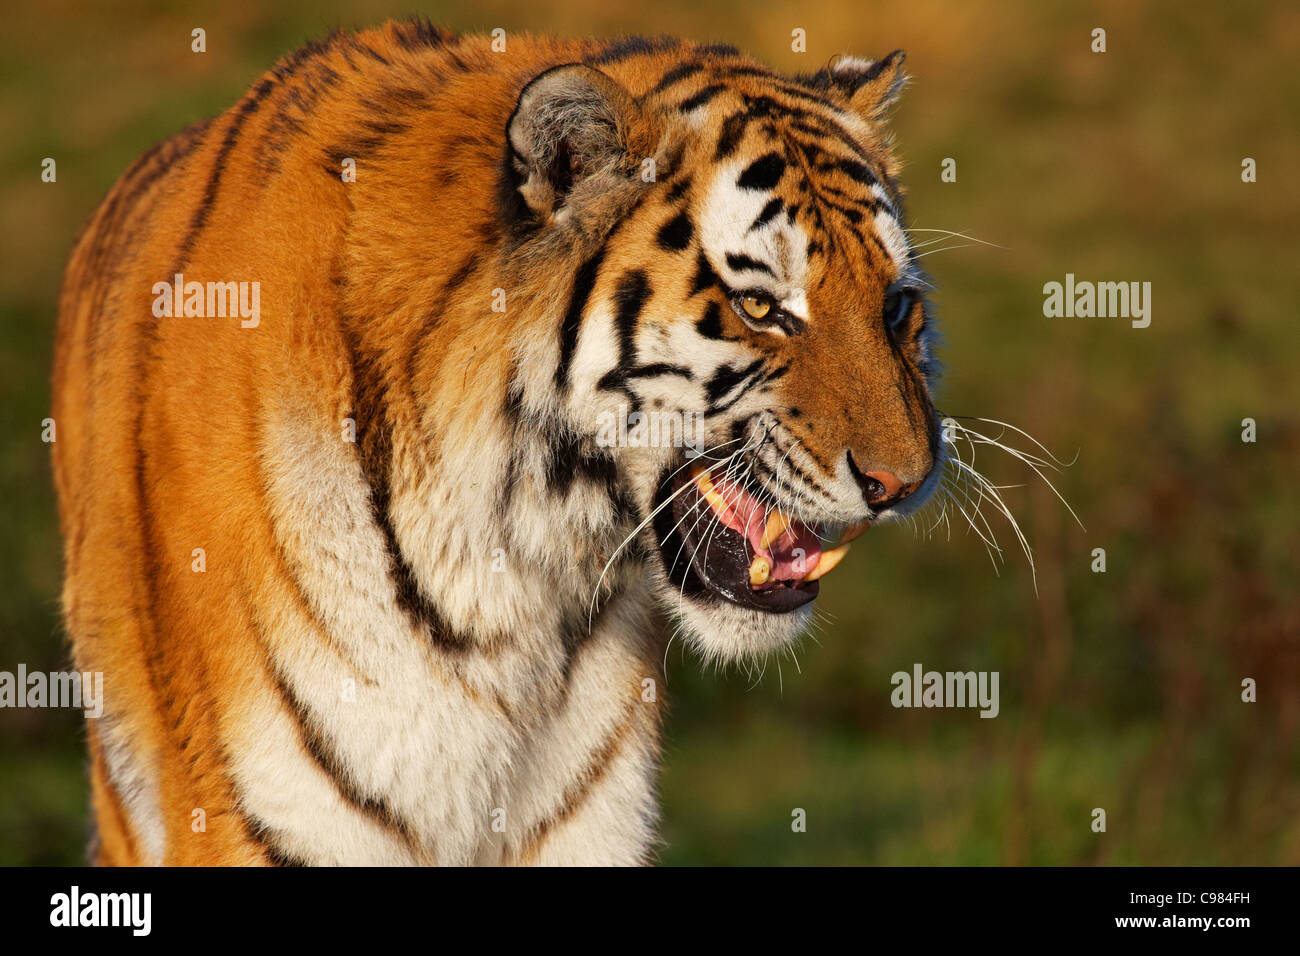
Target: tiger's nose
x,y
883,488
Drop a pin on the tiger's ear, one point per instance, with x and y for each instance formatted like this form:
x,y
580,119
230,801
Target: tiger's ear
x,y
572,126
872,86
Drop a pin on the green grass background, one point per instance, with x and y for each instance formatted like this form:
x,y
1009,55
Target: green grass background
x,y
1119,690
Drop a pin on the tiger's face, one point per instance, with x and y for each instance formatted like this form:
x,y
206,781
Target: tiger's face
x,y
756,318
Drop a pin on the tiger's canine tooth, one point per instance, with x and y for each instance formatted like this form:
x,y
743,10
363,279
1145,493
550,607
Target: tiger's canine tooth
x,y
777,523
701,476
826,563
759,571
853,531
716,502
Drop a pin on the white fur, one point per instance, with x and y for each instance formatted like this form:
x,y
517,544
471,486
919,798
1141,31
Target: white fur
x,y
725,219
137,788
428,731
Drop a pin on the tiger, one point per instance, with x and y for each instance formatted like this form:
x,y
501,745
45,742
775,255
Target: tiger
x,y
366,577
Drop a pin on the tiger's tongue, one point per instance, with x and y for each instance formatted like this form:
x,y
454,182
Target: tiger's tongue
x,y
792,554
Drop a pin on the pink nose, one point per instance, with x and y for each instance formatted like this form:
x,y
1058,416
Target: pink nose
x,y
885,486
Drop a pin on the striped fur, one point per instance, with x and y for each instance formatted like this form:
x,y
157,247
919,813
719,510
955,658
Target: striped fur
x,y
393,654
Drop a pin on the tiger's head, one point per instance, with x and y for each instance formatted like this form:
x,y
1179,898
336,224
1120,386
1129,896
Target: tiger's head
x,y
745,331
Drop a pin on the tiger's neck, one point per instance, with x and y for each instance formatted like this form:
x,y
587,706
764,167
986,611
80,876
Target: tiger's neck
x,y
504,527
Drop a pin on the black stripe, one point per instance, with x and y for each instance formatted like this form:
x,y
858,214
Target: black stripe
x,y
110,246
856,171
820,126
375,55
631,295
512,411
699,99
756,108
678,73
633,46
809,477
459,64
675,235
657,369
727,378
277,856
799,93
419,32
259,832
449,289
782,485
854,216
289,65
852,198
761,107
200,219
763,173
618,378
705,277
375,451
153,568
576,627
571,457
298,103
776,373
710,324
383,121
583,284
739,262
782,453
770,211
324,755
633,292
678,190
380,128
847,206
733,128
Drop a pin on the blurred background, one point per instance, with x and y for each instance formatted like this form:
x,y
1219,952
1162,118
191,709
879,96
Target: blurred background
x,y
1119,690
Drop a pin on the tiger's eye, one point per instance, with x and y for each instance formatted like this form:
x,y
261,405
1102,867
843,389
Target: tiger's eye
x,y
755,307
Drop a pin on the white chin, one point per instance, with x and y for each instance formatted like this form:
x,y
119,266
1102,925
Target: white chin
x,y
724,633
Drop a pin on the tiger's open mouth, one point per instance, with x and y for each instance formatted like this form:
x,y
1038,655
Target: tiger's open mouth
x,y
719,539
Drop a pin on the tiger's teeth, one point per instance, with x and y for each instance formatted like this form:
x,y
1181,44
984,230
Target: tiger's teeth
x,y
759,571
701,476
826,564
854,531
777,522
716,502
